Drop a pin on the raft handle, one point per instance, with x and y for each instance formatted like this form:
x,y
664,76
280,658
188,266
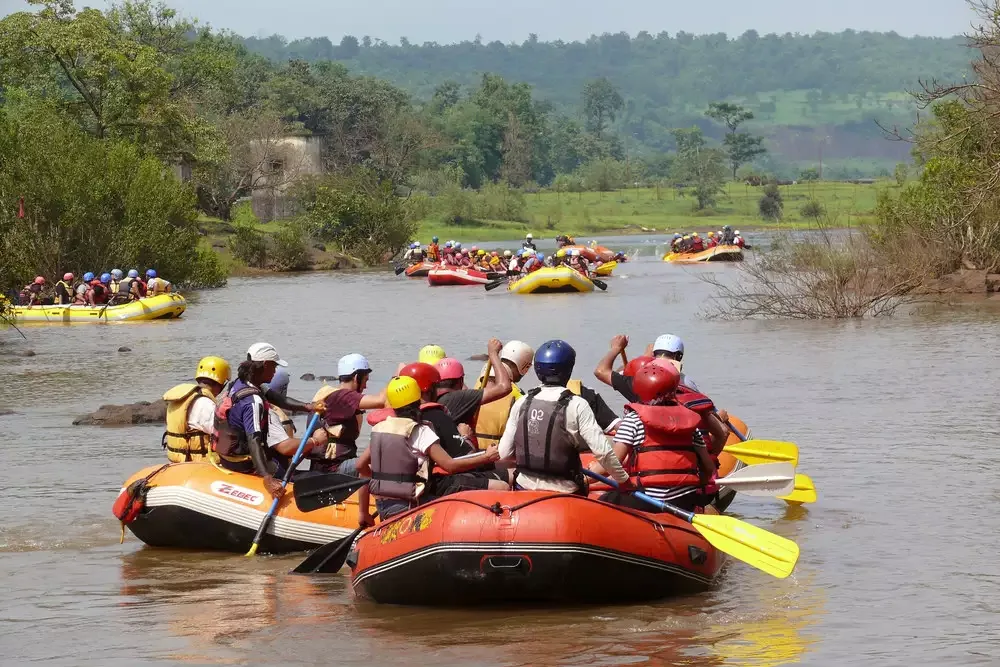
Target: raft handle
x,y
505,564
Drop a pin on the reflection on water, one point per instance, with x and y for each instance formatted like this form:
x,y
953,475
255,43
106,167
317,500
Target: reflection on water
x,y
895,420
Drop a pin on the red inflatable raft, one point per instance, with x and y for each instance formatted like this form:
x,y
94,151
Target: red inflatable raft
x,y
518,546
456,276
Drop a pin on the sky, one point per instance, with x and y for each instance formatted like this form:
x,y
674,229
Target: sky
x,y
448,21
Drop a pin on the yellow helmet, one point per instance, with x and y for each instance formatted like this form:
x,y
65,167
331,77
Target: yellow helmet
x,y
695,234
480,252
213,368
431,354
402,391
560,253
711,233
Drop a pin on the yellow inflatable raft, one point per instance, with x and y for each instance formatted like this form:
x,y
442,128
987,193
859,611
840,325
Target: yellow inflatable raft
x,y
552,280
604,270
721,253
160,307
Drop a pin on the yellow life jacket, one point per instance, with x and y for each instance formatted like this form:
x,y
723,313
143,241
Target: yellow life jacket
x,y
493,418
69,291
575,386
181,443
115,284
286,421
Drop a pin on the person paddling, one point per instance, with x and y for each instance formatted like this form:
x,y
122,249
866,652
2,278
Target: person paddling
x,y
281,440
549,427
659,442
463,403
401,451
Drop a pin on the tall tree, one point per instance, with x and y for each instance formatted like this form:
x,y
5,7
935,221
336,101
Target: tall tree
x,y
702,169
740,147
601,102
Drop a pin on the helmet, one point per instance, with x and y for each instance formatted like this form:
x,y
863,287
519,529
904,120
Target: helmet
x,y
695,235
493,254
426,375
213,368
677,236
560,253
150,273
480,253
636,364
540,256
350,364
669,343
67,277
528,236
554,362
414,245
726,227
105,278
737,232
447,244
450,369
434,239
402,391
431,354
475,248
88,276
39,280
116,274
458,246
278,383
518,353
132,273
506,253
654,382
711,234
465,251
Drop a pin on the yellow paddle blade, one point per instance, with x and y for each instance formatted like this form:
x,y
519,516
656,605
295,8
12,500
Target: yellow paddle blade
x,y
754,546
764,451
804,491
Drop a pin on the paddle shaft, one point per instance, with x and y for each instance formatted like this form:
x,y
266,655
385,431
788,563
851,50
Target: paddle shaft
x,y
666,507
284,482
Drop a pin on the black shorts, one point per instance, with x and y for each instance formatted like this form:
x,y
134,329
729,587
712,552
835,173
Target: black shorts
x,y
442,485
688,502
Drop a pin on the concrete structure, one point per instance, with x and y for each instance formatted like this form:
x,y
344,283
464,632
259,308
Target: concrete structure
x,y
288,160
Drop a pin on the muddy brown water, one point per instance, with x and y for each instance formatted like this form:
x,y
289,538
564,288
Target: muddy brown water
x,y
895,419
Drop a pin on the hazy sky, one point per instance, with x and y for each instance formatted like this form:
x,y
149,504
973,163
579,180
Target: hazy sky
x,y
448,21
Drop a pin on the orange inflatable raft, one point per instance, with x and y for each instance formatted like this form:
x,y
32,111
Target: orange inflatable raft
x,y
199,506
420,269
456,276
525,546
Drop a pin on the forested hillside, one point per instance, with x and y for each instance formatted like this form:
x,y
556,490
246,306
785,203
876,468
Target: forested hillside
x,y
813,96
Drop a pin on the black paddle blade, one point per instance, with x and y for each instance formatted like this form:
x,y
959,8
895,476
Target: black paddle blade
x,y
328,558
495,284
599,284
400,269
332,496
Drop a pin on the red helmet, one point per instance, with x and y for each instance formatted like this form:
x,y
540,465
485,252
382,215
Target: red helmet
x,y
68,277
426,375
39,280
450,369
654,382
632,367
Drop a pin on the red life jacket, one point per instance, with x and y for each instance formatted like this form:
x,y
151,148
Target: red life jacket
x,y
697,245
667,456
227,442
132,499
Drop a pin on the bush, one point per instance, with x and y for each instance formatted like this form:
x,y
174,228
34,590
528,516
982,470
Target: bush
x,y
207,271
810,174
289,250
455,205
567,183
248,245
770,205
602,174
498,201
812,210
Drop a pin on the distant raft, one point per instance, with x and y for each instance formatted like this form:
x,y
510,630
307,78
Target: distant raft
x,y
720,253
420,269
456,276
552,280
160,307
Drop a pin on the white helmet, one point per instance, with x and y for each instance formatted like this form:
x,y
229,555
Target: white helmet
x,y
668,343
529,236
518,353
737,232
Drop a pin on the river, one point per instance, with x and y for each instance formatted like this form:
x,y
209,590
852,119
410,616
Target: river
x,y
895,419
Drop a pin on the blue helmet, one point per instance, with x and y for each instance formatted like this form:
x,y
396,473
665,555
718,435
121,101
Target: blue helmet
x,y
554,362
457,245
88,276
150,273
105,278
434,239
540,256
132,273
279,383
447,244
116,274
415,244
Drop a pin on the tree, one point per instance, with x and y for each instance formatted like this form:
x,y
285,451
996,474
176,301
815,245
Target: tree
x,y
701,168
730,115
601,102
771,204
740,146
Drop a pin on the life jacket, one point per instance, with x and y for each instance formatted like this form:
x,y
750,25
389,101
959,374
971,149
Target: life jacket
x,y
99,290
396,470
183,444
64,292
493,418
132,499
541,443
140,287
697,245
286,421
433,252
667,457
232,444
340,446
114,285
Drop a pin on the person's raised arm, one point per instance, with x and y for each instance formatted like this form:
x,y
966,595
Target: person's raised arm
x,y
501,386
605,367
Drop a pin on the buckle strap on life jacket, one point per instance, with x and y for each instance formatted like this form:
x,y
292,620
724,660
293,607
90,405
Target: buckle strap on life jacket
x,y
396,477
668,471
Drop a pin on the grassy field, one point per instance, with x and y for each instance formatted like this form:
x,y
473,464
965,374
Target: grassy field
x,y
663,210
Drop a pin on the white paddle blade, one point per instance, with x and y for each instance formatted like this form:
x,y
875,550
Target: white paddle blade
x,y
764,479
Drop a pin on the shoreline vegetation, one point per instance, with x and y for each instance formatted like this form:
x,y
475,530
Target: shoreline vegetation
x,y
133,137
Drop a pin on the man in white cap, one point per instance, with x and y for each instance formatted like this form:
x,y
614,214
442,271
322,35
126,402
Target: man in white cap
x,y
343,407
266,352
529,242
669,346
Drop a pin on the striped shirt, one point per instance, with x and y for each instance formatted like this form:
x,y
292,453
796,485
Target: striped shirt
x,y
632,434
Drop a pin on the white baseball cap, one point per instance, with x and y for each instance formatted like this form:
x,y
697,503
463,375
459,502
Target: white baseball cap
x,y
668,343
351,364
265,352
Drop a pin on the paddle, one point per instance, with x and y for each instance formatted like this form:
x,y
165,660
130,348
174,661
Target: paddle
x,y
766,479
328,558
764,451
400,269
600,284
754,546
312,493
804,491
495,284
284,482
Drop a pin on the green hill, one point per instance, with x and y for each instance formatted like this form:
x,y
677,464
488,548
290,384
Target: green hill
x,y
814,96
